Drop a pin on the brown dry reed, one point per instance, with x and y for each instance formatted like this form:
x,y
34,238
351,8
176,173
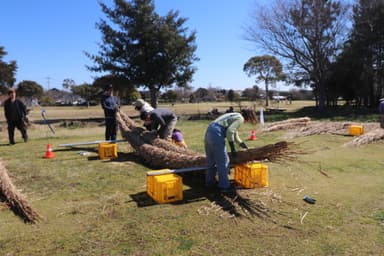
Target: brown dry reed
x,y
163,154
14,199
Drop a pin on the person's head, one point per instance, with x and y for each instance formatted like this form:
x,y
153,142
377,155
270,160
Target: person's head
x,y
139,104
145,116
248,115
244,113
175,130
177,135
11,92
109,88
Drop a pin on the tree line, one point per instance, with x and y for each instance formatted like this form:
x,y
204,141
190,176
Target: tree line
x,y
314,40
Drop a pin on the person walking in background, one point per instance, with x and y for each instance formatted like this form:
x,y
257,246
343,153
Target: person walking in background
x,y
225,126
15,112
381,110
162,121
110,105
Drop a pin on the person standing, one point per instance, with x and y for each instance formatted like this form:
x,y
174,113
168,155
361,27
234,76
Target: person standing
x,y
15,112
225,126
381,110
162,121
110,104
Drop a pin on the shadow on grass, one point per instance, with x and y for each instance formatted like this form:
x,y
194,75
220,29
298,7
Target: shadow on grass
x,y
232,206
121,156
77,148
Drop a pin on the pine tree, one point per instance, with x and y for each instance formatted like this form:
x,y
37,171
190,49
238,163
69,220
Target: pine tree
x,y
7,72
149,50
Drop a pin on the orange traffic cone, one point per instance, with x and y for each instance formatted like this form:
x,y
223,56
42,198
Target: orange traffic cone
x,y
49,153
253,135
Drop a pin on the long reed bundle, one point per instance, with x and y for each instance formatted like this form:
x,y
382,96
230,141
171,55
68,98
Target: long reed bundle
x,y
162,154
287,124
366,138
14,199
316,128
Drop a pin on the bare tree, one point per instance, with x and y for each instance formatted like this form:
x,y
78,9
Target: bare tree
x,y
306,33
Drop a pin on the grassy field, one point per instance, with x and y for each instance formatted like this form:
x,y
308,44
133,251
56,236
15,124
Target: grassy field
x,y
100,207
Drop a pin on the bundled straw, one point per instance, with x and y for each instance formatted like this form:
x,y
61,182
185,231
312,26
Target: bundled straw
x,y
16,201
287,124
303,127
163,154
369,137
316,128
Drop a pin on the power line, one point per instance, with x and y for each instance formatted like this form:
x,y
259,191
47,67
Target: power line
x,y
48,81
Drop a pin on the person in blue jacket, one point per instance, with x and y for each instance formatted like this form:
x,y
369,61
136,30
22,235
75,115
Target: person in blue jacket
x,y
224,127
110,105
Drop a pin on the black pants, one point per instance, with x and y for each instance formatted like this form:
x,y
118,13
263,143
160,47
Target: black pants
x,y
110,128
19,124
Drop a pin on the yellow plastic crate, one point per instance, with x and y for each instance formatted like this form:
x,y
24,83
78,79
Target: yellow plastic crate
x,y
252,175
107,150
165,188
356,130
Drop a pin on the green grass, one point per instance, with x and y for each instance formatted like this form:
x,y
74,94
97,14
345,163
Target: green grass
x,y
99,207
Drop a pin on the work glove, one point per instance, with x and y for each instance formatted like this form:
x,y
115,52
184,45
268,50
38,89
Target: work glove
x,y
233,150
243,145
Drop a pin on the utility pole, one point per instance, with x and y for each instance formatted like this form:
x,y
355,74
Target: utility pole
x,y
48,81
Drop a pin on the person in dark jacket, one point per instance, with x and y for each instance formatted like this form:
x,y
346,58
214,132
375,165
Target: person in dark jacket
x,y
15,112
162,121
110,104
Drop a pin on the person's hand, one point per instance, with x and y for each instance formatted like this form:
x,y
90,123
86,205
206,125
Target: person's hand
x,y
243,145
26,121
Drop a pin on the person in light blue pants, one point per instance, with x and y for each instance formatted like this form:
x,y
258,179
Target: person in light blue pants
x,y
225,126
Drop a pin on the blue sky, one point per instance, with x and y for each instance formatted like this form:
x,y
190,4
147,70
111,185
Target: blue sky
x,y
47,38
